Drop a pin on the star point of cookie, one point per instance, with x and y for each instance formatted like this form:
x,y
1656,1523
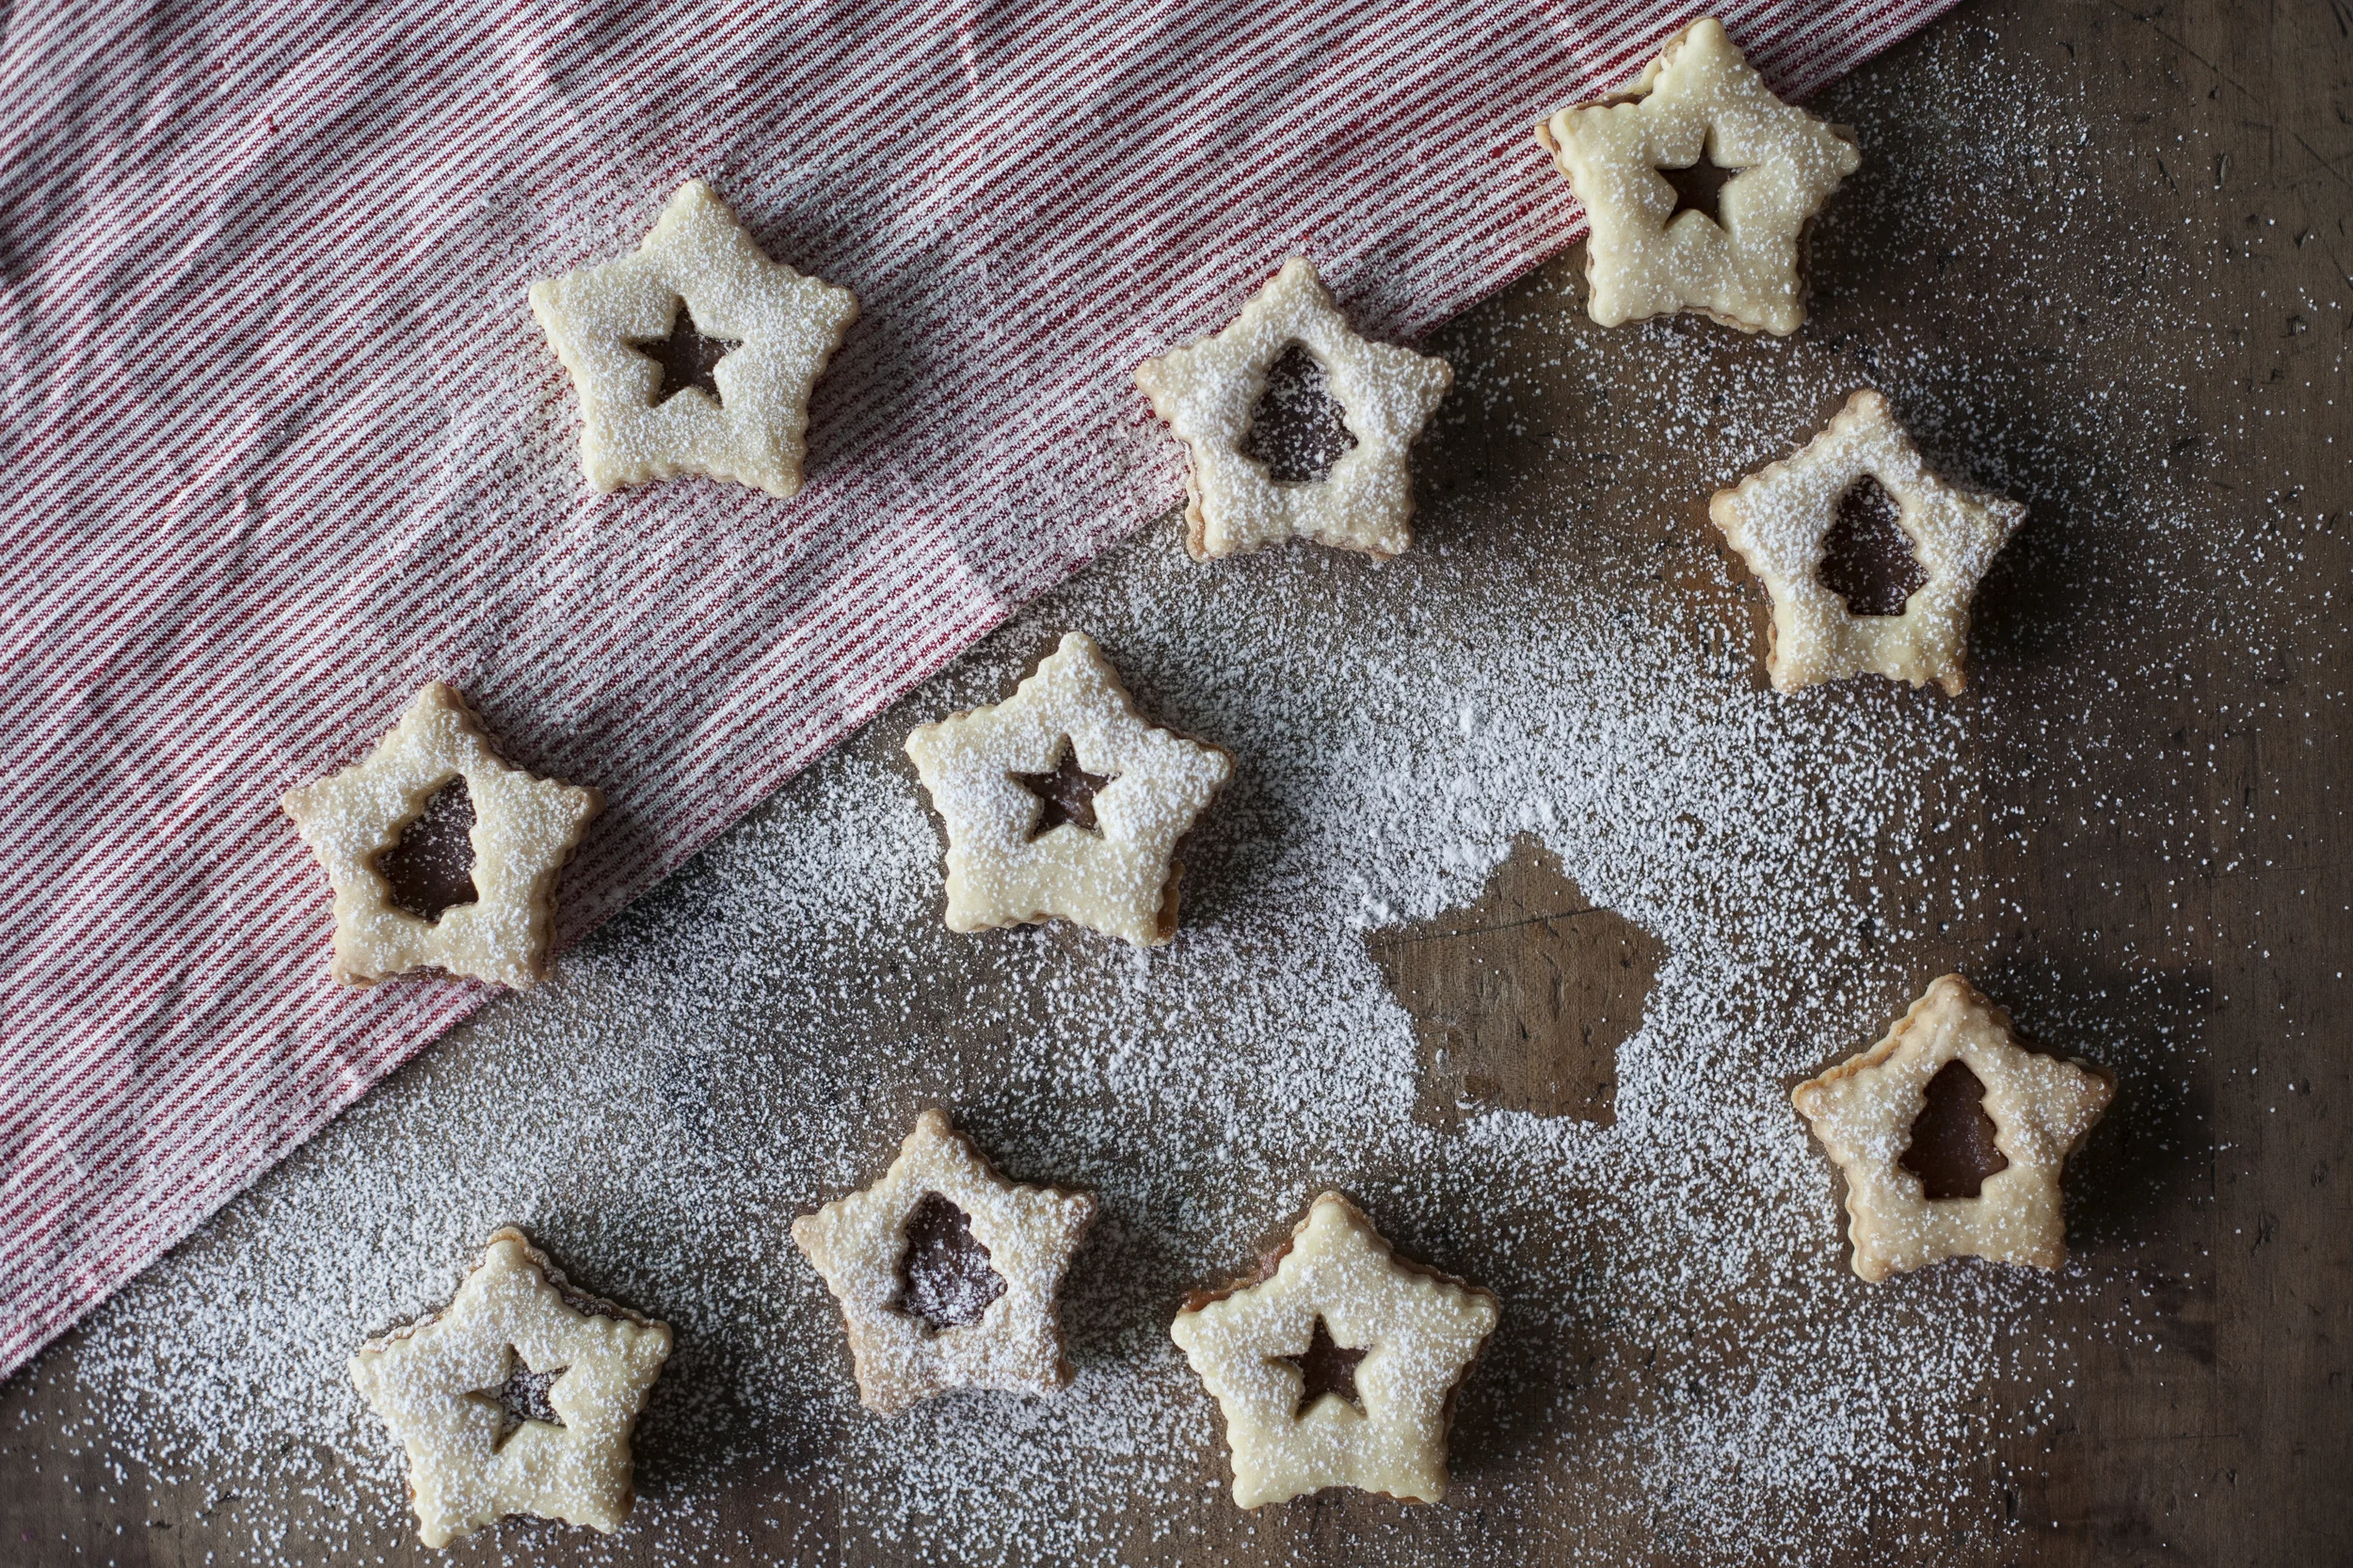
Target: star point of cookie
x,y
1418,1332
524,830
1863,1112
1209,391
1700,99
1117,875
1026,1234
442,1384
698,260
1780,518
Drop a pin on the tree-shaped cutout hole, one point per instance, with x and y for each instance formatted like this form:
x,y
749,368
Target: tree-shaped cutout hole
x,y
1952,1149
521,1398
1699,187
430,868
1327,1367
1298,429
945,1279
687,358
1065,793
1867,559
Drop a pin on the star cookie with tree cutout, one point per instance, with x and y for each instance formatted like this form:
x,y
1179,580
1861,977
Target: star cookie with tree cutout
x,y
1062,802
947,1272
1781,518
1208,392
1867,1112
524,830
1276,1354
517,1398
697,355
1698,107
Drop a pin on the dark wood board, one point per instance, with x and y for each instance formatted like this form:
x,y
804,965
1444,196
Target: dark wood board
x,y
2215,1195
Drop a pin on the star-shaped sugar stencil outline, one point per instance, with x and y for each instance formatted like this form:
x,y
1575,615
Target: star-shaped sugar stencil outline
x,y
1863,1111
698,258
434,1384
1420,1330
1031,1233
1698,99
525,829
1121,877
1779,518
1209,391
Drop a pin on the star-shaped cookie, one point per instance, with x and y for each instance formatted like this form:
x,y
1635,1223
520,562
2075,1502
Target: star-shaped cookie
x,y
517,1398
605,320
1698,98
1863,1111
1418,1331
1779,518
1209,391
524,829
1025,1236
996,776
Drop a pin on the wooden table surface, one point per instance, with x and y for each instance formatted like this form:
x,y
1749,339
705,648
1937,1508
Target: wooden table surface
x,y
2207,167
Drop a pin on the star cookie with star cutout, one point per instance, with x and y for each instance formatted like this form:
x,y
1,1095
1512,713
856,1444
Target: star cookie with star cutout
x,y
697,355
1866,1111
1641,161
524,830
947,1272
1276,1354
1780,520
1208,392
517,1398
1062,802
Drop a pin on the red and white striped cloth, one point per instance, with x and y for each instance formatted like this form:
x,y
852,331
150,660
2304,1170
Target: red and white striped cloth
x,y
282,442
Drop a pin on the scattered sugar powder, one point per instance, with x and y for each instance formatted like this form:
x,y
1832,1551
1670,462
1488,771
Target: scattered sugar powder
x,y
1683,1364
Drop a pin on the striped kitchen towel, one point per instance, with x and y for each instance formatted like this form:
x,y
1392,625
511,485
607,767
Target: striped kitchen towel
x,y
282,442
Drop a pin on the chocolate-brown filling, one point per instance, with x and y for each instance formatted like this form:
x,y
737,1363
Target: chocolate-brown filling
x,y
431,868
1952,1148
1699,188
1067,793
945,1280
1298,429
524,1397
687,358
1867,559
1327,1367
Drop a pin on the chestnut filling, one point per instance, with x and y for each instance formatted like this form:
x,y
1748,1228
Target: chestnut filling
x,y
1327,1368
1699,188
686,356
1298,429
944,1278
431,868
524,1397
1867,560
1066,793
1952,1148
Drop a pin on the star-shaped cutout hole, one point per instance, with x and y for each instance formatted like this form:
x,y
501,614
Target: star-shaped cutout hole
x,y
947,1272
1249,487
688,358
1326,1367
945,1280
1008,861
521,1398
514,1308
396,813
1940,1194
698,290
1697,117
1065,795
